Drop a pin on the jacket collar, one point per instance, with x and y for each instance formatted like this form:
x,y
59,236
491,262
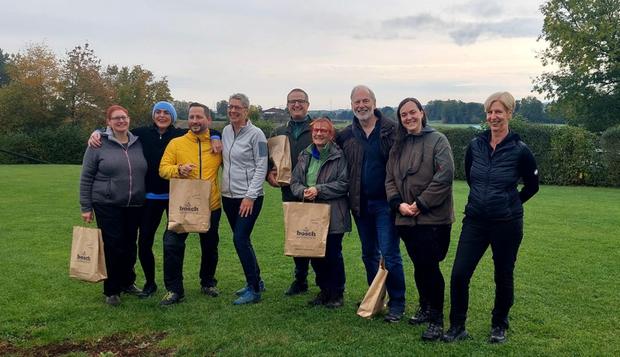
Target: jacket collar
x,y
110,135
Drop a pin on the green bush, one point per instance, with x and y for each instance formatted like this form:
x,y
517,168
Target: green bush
x,y
610,145
60,145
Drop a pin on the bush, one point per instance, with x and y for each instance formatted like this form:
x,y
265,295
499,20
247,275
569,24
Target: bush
x,y
610,145
61,145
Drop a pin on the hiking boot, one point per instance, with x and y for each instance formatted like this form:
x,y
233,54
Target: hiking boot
x,y
249,297
210,290
297,287
433,332
335,302
171,298
132,290
421,316
498,335
113,300
148,290
393,317
261,287
455,333
320,299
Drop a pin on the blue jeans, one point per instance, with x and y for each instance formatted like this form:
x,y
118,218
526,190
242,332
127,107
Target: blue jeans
x,y
377,232
242,228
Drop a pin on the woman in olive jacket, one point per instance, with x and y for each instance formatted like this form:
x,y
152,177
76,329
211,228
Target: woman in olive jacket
x,y
321,176
418,183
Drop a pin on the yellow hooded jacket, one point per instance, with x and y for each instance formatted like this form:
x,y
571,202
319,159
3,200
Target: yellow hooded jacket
x,y
195,149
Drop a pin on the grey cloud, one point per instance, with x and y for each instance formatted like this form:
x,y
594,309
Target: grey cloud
x,y
479,8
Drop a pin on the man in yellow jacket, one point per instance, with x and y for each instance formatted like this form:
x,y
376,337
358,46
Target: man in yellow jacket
x,y
190,157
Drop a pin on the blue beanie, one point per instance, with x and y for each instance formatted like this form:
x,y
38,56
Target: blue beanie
x,y
167,107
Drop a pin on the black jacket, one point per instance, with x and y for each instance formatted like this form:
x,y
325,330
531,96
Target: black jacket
x,y
493,177
354,153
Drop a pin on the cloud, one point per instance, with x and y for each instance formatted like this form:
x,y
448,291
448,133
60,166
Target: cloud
x,y
461,33
479,8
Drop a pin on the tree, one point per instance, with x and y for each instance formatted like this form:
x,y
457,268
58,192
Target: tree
x,y
221,108
584,43
532,109
4,76
85,94
137,90
255,112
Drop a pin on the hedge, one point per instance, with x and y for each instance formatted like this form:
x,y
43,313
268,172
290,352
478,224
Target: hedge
x,y
565,155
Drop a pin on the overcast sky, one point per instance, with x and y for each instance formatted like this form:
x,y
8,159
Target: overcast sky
x,y
432,49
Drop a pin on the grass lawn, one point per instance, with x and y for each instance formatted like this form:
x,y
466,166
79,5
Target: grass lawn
x,y
567,275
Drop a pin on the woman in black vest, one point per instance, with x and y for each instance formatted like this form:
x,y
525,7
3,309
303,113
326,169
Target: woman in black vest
x,y
495,162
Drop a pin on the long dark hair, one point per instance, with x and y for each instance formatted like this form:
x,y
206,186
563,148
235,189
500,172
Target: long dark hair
x,y
402,132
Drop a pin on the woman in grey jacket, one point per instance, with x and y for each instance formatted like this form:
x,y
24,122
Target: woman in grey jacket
x,y
112,190
321,176
418,183
245,168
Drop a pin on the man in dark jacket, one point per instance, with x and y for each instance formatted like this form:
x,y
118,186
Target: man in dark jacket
x,y
297,129
366,144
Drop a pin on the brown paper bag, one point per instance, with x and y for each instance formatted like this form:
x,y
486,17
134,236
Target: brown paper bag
x,y
87,257
189,206
306,226
280,153
374,300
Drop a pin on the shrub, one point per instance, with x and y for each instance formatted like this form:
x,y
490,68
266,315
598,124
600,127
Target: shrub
x,y
610,145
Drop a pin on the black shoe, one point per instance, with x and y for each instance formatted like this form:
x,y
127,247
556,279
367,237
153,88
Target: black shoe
x,y
132,290
455,333
148,290
297,287
335,302
433,332
171,298
320,299
421,316
393,317
210,290
498,335
113,300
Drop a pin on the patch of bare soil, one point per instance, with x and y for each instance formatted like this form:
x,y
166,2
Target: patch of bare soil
x,y
115,345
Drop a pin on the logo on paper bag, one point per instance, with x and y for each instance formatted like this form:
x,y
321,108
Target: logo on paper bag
x,y
188,207
83,257
306,233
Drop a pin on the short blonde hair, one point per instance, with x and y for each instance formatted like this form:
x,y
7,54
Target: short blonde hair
x,y
507,100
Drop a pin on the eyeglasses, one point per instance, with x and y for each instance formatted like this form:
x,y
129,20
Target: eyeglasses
x,y
236,107
297,101
320,130
119,118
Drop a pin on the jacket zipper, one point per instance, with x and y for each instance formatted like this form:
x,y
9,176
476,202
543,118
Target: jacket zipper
x,y
199,157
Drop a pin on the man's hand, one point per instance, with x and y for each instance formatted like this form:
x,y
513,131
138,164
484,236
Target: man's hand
x,y
186,169
310,193
216,146
245,209
94,141
87,216
272,178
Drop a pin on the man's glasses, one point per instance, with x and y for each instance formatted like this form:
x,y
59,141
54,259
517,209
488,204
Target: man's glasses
x,y
297,101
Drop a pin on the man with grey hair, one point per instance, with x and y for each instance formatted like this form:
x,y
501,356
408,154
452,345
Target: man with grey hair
x,y
366,144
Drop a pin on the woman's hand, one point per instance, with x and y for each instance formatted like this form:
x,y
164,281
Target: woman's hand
x,y
87,216
245,209
94,141
409,210
310,193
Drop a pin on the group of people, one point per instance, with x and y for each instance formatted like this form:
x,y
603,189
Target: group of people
x,y
394,178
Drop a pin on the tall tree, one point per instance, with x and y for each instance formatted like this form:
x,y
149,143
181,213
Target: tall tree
x,y
532,109
584,43
221,108
85,94
4,60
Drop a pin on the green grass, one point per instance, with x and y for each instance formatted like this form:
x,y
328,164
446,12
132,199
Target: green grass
x,y
567,275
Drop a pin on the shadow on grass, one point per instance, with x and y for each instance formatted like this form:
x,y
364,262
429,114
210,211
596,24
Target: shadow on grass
x,y
114,345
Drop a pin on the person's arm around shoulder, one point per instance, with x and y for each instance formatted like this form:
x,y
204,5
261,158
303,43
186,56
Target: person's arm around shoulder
x,y
216,141
94,140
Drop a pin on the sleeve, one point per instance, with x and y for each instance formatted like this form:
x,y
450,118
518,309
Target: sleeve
x,y
215,134
528,170
259,153
391,190
87,177
298,178
168,167
337,188
440,187
468,162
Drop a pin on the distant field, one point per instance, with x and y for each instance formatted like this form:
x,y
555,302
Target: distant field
x,y
567,300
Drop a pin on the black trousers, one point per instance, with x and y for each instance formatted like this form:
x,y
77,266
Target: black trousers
x,y
151,218
504,237
329,270
242,229
301,268
427,246
174,254
119,229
